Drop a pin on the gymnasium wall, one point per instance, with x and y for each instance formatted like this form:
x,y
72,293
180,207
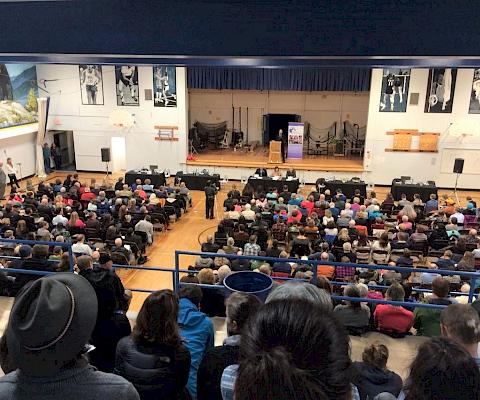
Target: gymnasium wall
x,y
384,166
91,127
320,109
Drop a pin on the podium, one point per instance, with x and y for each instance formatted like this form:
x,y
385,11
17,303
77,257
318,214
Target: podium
x,y
275,152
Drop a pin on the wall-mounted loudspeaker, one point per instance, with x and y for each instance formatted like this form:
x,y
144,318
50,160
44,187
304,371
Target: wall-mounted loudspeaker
x,y
105,154
458,165
148,94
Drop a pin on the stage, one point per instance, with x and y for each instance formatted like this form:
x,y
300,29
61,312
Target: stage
x,y
259,158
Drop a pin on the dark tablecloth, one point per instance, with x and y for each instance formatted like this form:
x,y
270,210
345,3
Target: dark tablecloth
x,y
157,179
398,188
198,181
267,183
348,188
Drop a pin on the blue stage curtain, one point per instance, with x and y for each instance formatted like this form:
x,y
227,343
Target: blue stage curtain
x,y
301,79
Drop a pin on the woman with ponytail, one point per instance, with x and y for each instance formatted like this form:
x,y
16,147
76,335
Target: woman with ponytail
x,y
294,349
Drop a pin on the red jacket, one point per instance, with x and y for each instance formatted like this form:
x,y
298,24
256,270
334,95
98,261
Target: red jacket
x,y
393,318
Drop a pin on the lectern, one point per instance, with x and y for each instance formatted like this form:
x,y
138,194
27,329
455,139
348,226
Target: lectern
x,y
275,154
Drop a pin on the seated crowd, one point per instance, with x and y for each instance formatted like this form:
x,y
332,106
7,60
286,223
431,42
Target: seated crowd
x,y
295,346
97,219
292,347
360,231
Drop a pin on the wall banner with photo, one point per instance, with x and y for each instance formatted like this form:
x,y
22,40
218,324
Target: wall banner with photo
x,y
126,78
91,84
440,90
164,86
295,139
474,107
395,84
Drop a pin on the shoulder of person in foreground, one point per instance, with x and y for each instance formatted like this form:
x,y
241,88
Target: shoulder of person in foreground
x,y
103,385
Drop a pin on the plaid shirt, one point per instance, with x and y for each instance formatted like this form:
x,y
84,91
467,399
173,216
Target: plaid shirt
x,y
227,383
251,249
279,231
344,272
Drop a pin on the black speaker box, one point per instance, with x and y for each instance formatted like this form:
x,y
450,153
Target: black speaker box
x,y
105,154
458,166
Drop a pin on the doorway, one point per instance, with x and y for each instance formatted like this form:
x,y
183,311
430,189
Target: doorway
x,y
64,142
272,123
119,153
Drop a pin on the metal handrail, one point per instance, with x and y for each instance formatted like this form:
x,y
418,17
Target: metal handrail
x,y
473,276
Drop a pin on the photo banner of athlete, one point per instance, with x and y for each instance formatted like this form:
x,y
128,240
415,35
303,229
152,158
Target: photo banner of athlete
x,y
91,84
440,90
126,78
164,86
295,139
395,84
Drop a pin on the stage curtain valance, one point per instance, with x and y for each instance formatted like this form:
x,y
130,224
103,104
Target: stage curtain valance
x,y
301,79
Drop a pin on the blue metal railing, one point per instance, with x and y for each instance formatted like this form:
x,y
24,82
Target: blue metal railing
x,y
473,276
313,264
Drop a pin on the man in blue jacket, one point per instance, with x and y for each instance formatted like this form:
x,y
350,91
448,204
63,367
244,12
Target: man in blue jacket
x,y
196,329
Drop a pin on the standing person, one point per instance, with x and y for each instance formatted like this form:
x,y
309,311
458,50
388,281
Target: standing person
x,y
154,358
46,157
50,325
57,157
210,193
283,140
3,181
12,173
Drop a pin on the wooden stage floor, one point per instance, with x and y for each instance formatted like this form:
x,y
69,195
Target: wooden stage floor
x,y
259,158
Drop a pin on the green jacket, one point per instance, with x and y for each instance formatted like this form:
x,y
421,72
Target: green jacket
x,y
427,320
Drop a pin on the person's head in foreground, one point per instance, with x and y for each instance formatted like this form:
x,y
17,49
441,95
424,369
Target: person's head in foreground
x,y
443,370
294,290
294,349
239,308
461,323
50,323
157,319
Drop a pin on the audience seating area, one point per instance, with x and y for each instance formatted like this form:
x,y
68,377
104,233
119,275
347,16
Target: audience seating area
x,y
390,274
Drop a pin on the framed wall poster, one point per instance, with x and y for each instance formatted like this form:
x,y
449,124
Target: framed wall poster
x,y
126,78
395,85
18,94
164,86
474,107
91,84
440,90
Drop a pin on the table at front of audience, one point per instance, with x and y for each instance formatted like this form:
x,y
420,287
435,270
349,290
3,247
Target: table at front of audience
x,y
157,179
198,181
265,184
399,188
348,188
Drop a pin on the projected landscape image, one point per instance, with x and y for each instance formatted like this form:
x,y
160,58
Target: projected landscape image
x,y
18,94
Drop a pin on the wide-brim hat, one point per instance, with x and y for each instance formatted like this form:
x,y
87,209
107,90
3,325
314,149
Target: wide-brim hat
x,y
51,321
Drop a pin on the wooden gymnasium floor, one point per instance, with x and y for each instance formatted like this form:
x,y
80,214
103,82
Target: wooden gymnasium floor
x,y
259,158
186,234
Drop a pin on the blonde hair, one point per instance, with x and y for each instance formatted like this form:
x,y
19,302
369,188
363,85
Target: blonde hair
x,y
206,276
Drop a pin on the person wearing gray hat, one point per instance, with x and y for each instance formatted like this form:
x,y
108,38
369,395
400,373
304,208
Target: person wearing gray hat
x,y
50,324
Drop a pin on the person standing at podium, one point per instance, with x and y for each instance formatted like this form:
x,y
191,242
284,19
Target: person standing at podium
x,y
210,192
283,141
